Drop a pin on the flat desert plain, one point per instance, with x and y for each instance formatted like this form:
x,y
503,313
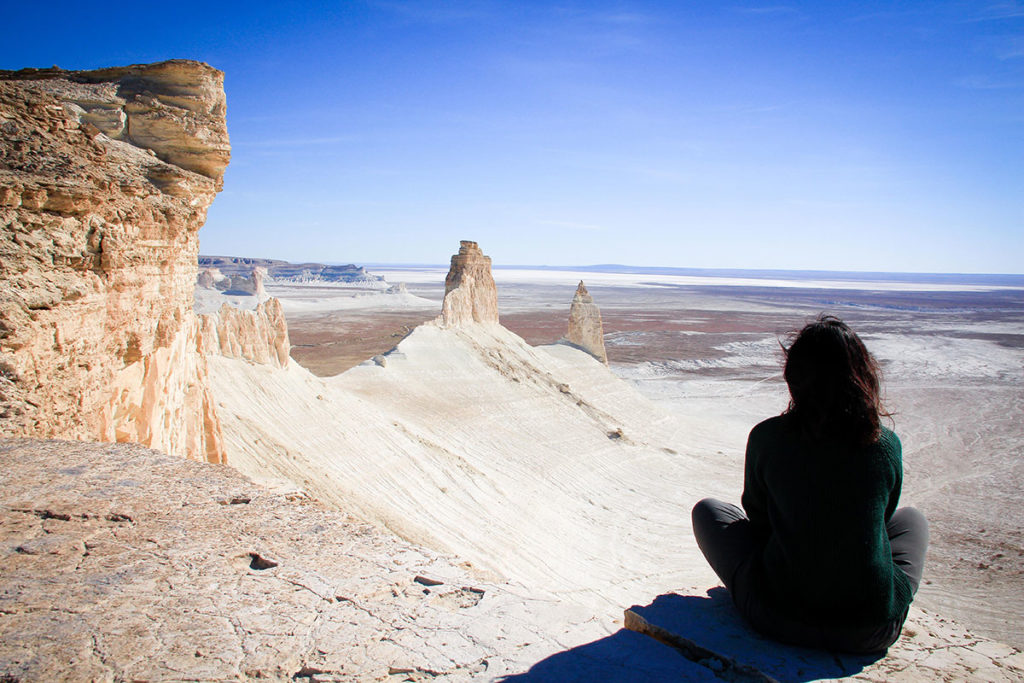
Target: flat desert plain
x,y
708,346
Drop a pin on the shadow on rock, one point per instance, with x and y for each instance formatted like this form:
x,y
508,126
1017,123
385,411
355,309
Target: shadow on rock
x,y
717,645
621,657
712,623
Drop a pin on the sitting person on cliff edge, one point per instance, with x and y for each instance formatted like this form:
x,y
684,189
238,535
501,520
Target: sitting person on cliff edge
x,y
822,558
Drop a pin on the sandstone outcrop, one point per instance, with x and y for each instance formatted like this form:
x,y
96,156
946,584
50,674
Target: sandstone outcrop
x,y
176,109
105,180
260,336
470,294
585,328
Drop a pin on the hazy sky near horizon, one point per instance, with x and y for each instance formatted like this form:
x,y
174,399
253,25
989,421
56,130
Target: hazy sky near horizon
x,y
803,135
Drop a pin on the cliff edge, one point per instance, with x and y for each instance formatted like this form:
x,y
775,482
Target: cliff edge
x,y
105,180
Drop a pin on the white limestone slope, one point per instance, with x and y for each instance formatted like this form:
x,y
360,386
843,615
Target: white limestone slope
x,y
534,464
538,466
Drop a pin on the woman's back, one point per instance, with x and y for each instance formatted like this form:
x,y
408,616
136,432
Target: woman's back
x,y
821,510
821,556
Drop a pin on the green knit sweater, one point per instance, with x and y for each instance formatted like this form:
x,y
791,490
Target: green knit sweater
x,y
820,512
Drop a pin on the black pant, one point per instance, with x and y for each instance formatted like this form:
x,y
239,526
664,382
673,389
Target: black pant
x,y
724,536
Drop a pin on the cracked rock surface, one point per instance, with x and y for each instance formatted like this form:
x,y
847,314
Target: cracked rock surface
x,y
123,563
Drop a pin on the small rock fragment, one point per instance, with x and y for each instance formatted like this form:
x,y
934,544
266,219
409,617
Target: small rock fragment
x,y
427,581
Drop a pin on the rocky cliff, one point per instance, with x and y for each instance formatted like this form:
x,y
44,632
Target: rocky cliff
x,y
105,180
585,328
469,291
260,336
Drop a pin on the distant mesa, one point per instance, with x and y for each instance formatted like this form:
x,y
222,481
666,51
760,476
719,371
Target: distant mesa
x,y
279,271
235,285
585,327
470,295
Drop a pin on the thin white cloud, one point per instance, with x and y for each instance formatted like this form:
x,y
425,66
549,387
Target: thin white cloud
x,y
1014,49
623,18
295,142
771,10
1001,10
437,13
987,83
571,225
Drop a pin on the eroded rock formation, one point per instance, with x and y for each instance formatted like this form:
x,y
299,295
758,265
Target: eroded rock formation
x,y
251,284
260,336
469,291
585,328
105,180
283,271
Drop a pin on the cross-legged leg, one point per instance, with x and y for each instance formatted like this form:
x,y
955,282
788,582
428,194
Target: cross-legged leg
x,y
723,534
908,538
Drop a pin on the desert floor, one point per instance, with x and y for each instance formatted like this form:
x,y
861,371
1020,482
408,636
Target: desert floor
x,y
952,356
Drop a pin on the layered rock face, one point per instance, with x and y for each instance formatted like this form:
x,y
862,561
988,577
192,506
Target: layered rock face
x,y
260,336
585,328
469,291
251,284
283,271
105,180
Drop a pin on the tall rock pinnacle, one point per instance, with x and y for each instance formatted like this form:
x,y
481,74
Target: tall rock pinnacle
x,y
585,328
469,291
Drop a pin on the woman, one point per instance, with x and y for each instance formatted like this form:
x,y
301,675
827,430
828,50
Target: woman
x,y
822,557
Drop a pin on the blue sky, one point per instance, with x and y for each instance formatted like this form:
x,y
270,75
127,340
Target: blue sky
x,y
807,135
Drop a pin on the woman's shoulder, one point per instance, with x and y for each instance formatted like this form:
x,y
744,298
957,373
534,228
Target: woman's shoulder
x,y
888,440
889,444
770,429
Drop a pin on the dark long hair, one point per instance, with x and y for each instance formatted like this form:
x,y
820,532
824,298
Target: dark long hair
x,y
834,386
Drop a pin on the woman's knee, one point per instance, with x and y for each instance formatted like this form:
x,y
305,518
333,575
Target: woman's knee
x,y
714,511
704,511
908,540
908,521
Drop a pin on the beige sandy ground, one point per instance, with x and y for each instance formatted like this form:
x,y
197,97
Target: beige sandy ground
x,y
534,465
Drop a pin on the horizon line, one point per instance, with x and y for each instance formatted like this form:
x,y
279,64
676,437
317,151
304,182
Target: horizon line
x,y
623,266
